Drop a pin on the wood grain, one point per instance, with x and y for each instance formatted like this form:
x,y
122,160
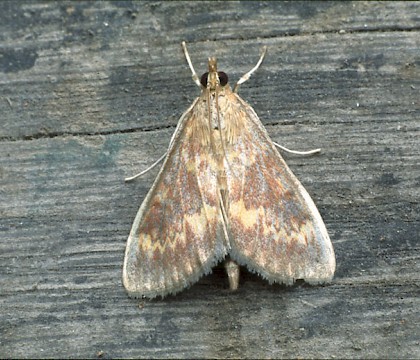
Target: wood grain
x,y
90,92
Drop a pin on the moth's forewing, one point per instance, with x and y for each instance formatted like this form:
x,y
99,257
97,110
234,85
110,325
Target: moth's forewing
x,y
274,226
177,235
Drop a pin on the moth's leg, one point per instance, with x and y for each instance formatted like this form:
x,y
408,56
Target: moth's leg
x,y
232,269
309,152
246,76
148,169
187,56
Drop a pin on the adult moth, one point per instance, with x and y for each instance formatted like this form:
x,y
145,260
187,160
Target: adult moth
x,y
224,193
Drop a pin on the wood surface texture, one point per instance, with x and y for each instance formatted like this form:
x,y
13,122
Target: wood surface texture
x,y
91,92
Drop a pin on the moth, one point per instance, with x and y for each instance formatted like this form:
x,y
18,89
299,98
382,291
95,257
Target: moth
x,y
224,193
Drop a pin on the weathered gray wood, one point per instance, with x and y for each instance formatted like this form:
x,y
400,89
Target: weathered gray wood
x,y
90,92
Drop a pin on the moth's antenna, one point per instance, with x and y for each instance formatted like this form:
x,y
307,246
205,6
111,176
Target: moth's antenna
x,y
187,56
246,76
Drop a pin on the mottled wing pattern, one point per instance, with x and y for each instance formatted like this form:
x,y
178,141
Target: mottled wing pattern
x,y
177,235
274,227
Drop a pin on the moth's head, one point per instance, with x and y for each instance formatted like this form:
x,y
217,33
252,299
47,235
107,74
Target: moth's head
x,y
213,78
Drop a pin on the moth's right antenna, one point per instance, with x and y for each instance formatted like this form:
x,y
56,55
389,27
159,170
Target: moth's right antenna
x,y
246,76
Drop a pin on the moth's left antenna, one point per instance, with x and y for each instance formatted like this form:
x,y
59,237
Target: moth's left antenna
x,y
187,56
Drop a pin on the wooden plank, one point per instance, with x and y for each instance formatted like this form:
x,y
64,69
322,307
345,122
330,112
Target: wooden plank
x,y
90,92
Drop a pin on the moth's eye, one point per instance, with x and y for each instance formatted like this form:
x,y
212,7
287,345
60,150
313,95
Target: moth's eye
x,y
203,79
223,78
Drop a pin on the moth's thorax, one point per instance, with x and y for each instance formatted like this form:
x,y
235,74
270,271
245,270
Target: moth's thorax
x,y
218,104
217,117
